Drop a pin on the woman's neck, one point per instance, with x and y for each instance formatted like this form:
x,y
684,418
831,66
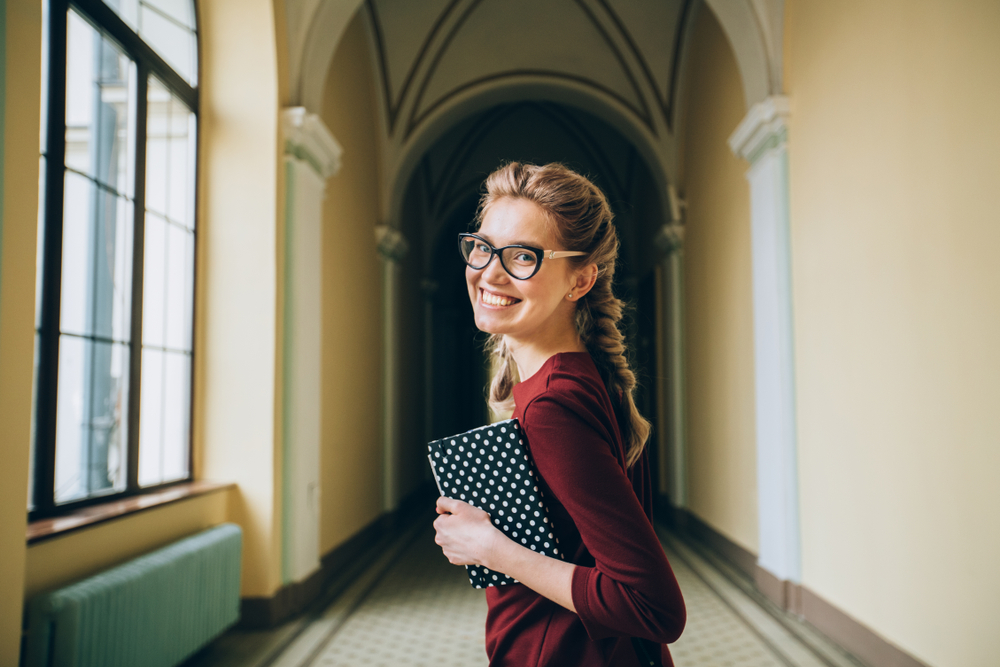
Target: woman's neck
x,y
531,355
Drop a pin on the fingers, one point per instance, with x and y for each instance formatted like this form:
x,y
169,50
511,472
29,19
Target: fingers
x,y
447,505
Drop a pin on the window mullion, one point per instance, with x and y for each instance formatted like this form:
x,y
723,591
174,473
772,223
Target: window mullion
x,y
138,255
48,358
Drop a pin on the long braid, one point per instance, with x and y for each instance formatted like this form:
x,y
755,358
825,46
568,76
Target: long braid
x,y
607,346
583,221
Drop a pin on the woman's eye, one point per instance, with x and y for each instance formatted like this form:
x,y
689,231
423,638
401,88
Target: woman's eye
x,y
482,247
524,258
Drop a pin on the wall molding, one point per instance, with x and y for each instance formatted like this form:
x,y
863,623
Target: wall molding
x,y
391,243
308,139
763,127
837,625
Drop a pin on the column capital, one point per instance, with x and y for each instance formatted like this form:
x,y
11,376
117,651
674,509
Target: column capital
x,y
670,238
308,139
765,126
392,245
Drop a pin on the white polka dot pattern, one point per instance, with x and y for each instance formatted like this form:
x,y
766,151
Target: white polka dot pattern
x,y
490,467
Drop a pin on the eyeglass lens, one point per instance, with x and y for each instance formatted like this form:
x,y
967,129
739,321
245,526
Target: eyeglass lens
x,y
518,262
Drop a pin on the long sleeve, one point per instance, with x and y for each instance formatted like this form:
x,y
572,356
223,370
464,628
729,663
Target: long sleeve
x,y
630,590
622,585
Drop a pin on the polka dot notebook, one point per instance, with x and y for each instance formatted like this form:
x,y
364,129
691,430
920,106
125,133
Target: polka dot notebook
x,y
490,467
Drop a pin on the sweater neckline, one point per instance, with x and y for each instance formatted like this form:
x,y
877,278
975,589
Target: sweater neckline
x,y
542,374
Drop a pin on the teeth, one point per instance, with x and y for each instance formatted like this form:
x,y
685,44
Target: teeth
x,y
497,299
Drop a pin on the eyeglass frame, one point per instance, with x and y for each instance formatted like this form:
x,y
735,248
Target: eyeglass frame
x,y
539,253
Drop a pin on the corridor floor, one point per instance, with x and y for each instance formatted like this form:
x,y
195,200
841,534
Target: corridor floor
x,y
410,607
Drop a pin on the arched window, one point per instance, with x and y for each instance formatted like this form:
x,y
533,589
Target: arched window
x,y
117,241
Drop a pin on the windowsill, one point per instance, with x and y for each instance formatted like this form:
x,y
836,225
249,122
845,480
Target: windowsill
x,y
44,529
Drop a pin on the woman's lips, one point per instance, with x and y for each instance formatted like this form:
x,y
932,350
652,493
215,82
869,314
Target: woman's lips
x,y
496,300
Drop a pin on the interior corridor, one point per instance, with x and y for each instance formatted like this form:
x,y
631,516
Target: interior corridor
x,y
233,314
405,605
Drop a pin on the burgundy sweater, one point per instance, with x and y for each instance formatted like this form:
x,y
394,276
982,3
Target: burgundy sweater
x,y
623,586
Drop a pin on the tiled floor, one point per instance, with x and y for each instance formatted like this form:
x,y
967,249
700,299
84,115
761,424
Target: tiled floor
x,y
411,607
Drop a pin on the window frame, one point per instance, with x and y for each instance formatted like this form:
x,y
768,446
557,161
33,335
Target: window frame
x,y
147,63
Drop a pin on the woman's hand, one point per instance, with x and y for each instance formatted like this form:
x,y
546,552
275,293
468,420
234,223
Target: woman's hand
x,y
468,537
465,533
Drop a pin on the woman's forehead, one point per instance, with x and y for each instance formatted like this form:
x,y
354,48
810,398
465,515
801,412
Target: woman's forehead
x,y
517,222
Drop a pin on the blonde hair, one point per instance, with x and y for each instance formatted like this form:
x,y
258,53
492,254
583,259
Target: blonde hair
x,y
582,221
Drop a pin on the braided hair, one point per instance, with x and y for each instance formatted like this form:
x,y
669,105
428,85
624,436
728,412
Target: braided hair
x,y
583,222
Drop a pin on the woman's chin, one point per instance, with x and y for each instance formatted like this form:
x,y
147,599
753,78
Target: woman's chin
x,y
490,325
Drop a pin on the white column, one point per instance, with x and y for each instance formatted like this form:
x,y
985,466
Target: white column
x,y
761,139
311,156
392,246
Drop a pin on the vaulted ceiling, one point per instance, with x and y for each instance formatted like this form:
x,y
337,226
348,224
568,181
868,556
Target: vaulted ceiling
x,y
433,51
439,63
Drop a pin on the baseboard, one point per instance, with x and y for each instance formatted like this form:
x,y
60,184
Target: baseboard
x,y
853,635
841,628
258,613
783,593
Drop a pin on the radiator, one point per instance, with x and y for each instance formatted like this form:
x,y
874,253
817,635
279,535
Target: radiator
x,y
153,611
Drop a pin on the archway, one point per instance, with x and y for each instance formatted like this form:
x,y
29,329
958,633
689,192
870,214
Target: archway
x,y
440,201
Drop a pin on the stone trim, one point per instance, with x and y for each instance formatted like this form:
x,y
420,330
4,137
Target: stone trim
x,y
764,126
391,243
308,139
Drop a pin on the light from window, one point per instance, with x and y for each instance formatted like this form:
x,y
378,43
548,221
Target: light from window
x,y
168,288
95,311
166,25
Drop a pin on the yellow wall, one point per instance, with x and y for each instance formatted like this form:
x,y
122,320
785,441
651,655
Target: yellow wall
x,y
235,419
59,561
895,165
21,100
351,455
718,327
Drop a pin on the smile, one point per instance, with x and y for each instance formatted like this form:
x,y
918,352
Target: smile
x,y
496,300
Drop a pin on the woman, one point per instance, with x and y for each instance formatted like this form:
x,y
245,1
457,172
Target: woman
x,y
548,306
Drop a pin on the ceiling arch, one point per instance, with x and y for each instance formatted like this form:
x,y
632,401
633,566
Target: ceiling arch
x,y
451,116
645,33
438,62
443,188
497,39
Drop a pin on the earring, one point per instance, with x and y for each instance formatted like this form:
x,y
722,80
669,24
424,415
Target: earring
x,y
570,295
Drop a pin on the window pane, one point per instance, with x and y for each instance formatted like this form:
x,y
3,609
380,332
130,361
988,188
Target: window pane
x,y
176,413
96,261
100,106
151,418
158,107
165,417
180,284
181,11
170,153
128,10
182,153
174,42
154,282
92,420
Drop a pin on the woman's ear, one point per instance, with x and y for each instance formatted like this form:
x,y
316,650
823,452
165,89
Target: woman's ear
x,y
585,279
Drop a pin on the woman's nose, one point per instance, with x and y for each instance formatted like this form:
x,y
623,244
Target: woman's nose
x,y
494,271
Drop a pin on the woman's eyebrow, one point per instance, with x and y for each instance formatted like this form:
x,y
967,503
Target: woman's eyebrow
x,y
489,239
